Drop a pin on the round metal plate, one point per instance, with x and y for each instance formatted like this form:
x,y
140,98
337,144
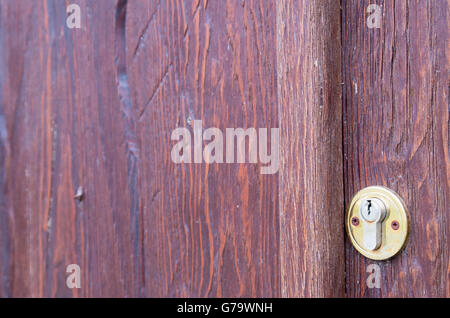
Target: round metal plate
x,y
395,227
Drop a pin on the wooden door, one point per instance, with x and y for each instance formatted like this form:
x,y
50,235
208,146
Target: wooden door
x,y
86,122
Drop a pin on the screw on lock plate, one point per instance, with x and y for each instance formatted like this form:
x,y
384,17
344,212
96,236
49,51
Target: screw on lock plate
x,y
377,222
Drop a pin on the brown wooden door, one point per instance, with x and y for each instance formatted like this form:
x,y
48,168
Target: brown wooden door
x,y
396,134
86,120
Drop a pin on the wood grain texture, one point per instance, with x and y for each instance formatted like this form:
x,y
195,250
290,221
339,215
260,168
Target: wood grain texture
x,y
209,230
95,108
396,115
64,127
311,177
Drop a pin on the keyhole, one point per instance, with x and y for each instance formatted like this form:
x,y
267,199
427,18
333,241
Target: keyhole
x,y
369,206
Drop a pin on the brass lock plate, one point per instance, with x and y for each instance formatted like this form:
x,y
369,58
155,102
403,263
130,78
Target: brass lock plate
x,y
377,222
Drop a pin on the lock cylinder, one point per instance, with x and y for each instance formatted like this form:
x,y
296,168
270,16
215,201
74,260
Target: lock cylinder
x,y
372,212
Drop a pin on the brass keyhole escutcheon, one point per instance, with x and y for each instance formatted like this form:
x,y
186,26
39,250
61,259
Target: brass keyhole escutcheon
x,y
377,222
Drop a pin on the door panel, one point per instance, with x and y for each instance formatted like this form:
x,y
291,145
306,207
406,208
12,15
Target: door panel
x,y
208,230
396,134
65,128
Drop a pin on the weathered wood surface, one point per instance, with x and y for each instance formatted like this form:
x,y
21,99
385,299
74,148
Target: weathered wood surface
x,y
208,230
95,108
311,177
65,127
396,115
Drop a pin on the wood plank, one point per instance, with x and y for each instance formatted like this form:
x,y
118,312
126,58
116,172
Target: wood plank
x,y
209,229
310,178
65,128
396,134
